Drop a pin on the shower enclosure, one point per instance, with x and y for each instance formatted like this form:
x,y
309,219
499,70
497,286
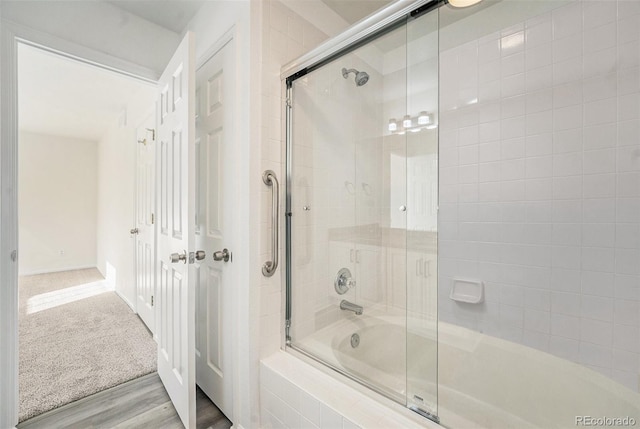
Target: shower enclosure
x,y
463,211
363,203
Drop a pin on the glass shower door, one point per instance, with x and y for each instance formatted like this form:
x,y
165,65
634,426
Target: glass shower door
x,y
363,186
348,231
422,211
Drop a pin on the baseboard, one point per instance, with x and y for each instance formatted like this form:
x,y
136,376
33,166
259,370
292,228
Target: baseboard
x,y
57,270
124,298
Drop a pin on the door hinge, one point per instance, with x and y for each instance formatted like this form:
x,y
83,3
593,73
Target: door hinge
x,y
153,218
152,300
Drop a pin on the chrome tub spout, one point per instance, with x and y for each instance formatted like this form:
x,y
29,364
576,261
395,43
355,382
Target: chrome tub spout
x,y
346,305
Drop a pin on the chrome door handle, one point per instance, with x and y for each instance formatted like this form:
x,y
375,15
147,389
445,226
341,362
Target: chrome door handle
x,y
200,255
222,255
177,257
134,231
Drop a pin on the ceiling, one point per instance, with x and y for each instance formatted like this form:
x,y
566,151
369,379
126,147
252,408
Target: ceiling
x,y
173,15
62,97
176,14
353,11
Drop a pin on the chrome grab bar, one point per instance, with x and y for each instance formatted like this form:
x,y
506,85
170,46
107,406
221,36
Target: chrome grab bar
x,y
269,179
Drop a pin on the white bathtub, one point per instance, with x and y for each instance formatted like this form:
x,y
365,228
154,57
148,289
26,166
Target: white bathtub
x,y
482,381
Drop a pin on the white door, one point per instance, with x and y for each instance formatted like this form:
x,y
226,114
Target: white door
x,y
214,226
145,218
175,319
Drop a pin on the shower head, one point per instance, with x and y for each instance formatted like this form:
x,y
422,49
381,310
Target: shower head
x,y
361,77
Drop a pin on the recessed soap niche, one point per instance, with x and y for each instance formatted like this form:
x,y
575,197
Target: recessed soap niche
x,y
467,290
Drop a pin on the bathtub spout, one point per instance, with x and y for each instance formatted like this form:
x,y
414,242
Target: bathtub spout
x,y
346,305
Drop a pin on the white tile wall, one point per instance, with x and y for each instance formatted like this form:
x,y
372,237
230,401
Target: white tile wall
x,y
542,176
285,36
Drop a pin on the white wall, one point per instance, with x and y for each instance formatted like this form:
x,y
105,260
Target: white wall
x,y
540,194
116,196
57,203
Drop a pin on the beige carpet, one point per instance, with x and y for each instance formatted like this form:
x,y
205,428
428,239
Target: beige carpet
x,y
76,340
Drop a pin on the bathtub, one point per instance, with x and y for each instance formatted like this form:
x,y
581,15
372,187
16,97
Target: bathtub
x,y
473,379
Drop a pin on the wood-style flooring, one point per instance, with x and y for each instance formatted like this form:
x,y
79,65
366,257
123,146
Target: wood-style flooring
x,y
138,404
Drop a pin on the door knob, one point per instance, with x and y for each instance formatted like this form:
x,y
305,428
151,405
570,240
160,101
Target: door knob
x,y
134,231
177,257
200,255
222,255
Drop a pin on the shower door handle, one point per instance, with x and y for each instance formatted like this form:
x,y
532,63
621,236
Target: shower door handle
x,y
269,179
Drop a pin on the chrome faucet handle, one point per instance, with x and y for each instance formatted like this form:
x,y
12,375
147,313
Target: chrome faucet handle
x,y
343,281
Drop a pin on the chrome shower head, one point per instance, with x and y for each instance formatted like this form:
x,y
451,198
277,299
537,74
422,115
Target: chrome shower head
x,y
361,77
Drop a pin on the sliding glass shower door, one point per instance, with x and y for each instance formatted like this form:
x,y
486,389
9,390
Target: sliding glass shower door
x,y
363,201
422,212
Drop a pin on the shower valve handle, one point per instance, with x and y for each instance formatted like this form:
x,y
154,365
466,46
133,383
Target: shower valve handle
x,y
343,281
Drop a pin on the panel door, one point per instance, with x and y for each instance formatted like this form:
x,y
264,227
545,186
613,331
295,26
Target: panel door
x,y
176,226
214,226
145,219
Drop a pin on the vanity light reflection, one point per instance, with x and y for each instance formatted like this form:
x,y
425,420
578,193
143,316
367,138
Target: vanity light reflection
x,y
424,120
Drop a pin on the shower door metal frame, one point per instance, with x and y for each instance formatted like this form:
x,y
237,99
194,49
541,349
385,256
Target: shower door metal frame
x,y
362,31
288,187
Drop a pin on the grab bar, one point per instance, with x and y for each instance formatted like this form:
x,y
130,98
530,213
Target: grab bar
x,y
269,179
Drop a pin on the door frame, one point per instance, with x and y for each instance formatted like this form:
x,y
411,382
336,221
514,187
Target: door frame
x,y
150,114
10,35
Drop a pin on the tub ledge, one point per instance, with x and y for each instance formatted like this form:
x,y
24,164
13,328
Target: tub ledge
x,y
293,393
